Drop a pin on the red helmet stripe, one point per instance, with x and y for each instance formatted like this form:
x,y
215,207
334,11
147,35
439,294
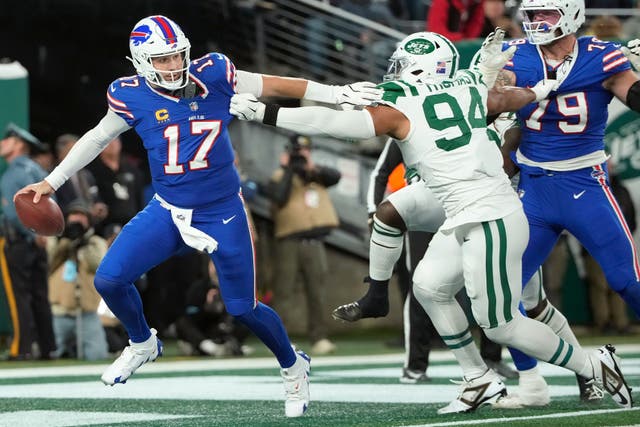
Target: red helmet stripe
x,y
169,35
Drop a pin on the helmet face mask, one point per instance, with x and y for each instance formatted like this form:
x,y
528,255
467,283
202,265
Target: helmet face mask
x,y
156,37
423,57
570,16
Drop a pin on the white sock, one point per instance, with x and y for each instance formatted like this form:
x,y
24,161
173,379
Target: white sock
x,y
538,340
558,323
451,323
384,249
529,373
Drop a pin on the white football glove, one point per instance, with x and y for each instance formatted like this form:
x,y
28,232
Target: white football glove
x,y
632,51
358,94
492,57
246,106
543,88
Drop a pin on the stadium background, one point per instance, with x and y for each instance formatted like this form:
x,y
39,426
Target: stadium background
x,y
73,49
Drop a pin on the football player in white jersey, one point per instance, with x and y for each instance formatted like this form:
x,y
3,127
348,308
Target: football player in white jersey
x,y
438,116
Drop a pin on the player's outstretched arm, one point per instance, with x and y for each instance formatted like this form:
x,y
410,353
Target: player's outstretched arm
x,y
512,98
364,124
83,152
348,96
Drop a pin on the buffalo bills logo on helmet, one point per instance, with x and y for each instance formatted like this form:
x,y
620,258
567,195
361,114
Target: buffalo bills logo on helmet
x,y
140,35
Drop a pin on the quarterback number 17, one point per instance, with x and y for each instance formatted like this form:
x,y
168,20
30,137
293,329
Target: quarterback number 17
x,y
211,129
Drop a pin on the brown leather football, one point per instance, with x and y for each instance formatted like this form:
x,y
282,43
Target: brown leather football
x,y
44,218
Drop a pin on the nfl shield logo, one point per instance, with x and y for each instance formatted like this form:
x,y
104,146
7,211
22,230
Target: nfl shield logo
x,y
441,67
194,106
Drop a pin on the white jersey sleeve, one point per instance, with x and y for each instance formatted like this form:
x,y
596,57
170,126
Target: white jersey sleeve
x,y
247,82
354,124
87,148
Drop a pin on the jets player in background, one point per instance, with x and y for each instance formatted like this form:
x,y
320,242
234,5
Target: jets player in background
x,y
438,116
563,173
180,109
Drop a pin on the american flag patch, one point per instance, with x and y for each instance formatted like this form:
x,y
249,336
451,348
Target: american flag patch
x,y
441,67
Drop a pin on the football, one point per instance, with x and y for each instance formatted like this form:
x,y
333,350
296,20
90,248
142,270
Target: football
x,y
44,218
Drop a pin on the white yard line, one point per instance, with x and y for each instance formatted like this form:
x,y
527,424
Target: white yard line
x,y
78,418
240,363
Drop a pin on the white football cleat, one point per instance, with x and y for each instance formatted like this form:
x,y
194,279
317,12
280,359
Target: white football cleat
x,y
296,385
474,393
133,356
607,373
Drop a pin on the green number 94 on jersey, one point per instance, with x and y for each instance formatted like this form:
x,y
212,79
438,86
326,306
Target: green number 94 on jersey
x,y
457,121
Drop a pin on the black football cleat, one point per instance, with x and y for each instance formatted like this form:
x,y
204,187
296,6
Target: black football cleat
x,y
348,312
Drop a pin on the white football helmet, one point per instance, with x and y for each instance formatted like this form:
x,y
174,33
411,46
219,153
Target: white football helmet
x,y
572,15
422,58
156,36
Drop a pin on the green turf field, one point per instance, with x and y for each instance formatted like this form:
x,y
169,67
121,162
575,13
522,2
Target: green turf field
x,y
347,390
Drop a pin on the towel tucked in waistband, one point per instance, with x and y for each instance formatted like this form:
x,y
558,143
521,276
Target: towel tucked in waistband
x,y
193,237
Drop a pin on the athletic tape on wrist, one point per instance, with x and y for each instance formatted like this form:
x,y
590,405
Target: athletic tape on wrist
x,y
270,114
633,96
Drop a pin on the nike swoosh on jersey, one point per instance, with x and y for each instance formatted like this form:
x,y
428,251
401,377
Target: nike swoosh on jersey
x,y
228,220
577,196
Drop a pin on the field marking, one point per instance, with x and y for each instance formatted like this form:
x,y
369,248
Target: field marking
x,y
162,366
528,417
245,387
38,418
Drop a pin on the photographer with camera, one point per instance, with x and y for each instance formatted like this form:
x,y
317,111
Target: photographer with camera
x,y
205,327
303,215
74,300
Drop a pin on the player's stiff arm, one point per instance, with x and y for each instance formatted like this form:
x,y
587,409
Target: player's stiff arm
x,y
438,116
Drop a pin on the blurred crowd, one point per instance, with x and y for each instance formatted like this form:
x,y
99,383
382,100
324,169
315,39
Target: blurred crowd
x,y
471,19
